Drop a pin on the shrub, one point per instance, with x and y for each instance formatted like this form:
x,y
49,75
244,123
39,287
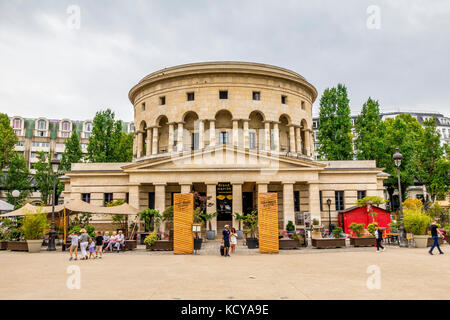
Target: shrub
x,y
290,226
33,226
372,227
151,238
337,232
357,228
415,222
412,204
315,222
75,229
90,229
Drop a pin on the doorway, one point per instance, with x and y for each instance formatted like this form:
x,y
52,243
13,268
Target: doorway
x,y
224,204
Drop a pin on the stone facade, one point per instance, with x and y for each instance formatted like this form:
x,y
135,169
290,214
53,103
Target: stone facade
x,y
227,130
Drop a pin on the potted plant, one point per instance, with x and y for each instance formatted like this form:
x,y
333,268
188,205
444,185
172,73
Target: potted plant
x,y
291,241
290,228
239,217
198,219
150,240
5,224
251,222
33,226
207,217
359,240
416,223
316,233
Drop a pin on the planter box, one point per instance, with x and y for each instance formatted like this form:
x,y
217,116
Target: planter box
x,y
17,246
430,242
362,242
328,243
130,245
161,245
3,245
285,244
421,241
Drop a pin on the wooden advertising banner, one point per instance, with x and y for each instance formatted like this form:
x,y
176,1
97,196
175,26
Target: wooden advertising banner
x,y
268,222
183,217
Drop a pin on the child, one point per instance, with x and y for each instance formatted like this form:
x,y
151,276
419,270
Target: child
x,y
233,238
91,248
99,241
74,245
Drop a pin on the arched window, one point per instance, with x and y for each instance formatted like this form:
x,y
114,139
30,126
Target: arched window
x,y
17,123
88,126
42,125
66,126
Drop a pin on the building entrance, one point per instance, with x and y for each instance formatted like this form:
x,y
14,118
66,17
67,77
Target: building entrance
x,y
224,203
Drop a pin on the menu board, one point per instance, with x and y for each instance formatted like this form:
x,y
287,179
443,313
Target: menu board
x,y
268,222
183,217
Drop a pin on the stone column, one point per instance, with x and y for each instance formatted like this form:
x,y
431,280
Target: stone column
x,y
148,142
133,199
311,144
201,134
160,199
155,141
298,139
140,136
262,187
276,137
211,192
185,187
212,132
235,132
291,139
314,201
267,136
171,137
180,137
288,203
246,134
307,142
237,202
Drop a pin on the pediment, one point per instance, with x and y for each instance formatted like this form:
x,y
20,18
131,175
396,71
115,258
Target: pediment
x,y
223,158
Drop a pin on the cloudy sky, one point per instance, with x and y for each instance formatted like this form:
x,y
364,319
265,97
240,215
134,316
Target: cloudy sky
x,y
49,67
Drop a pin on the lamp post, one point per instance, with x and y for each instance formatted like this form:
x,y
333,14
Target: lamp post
x,y
51,235
329,214
15,194
398,161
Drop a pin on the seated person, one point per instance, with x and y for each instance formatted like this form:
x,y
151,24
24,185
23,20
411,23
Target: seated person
x,y
106,240
120,240
112,241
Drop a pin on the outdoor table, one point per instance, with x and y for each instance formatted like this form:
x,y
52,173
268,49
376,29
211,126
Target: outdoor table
x,y
392,237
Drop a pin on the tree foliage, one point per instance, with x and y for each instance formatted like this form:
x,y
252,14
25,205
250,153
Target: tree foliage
x,y
18,178
72,152
44,177
335,126
7,141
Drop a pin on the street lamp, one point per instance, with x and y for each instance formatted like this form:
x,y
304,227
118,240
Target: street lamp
x,y
329,214
15,194
51,235
398,161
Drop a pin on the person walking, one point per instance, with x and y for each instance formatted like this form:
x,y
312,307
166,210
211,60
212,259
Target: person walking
x,y
379,238
84,242
434,234
233,240
226,241
74,245
99,241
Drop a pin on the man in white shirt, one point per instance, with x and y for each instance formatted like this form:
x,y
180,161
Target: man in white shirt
x,y
120,240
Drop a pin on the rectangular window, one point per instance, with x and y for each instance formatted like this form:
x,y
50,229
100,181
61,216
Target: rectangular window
x,y
86,197
223,94
162,100
303,105
256,95
321,200
283,99
190,96
127,197
297,201
252,140
361,194
339,198
223,137
20,143
107,197
195,141
151,200
143,106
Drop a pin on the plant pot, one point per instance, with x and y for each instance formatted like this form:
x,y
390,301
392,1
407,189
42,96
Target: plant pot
x,y
328,243
316,235
210,234
3,245
240,234
420,241
34,246
252,243
17,246
161,245
130,245
285,244
362,241
198,243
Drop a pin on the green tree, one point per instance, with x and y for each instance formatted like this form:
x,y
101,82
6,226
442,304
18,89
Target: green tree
x,y
72,153
125,148
44,178
403,132
335,130
431,166
17,178
370,133
105,138
7,141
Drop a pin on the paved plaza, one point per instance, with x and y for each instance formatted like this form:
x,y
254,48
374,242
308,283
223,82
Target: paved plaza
x,y
294,274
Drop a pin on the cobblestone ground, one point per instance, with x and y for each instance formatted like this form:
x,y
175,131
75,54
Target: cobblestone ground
x,y
308,273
